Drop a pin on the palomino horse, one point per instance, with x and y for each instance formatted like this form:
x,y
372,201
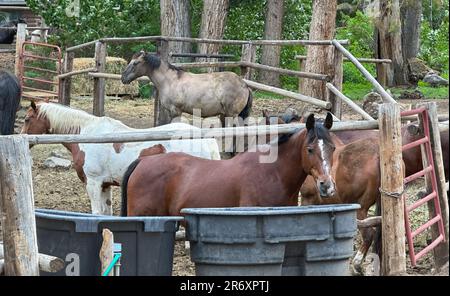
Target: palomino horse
x,y
163,184
221,93
9,102
101,165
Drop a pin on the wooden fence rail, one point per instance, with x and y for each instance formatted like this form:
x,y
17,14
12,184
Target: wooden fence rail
x,y
202,133
386,96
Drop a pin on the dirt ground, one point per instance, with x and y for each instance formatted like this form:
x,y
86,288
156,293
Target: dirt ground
x,y
7,61
61,189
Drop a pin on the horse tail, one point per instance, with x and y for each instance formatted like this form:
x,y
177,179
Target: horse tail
x,y
124,186
248,107
9,101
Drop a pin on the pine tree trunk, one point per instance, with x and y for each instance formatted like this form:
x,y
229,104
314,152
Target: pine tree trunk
x,y
214,17
175,22
389,42
319,59
273,31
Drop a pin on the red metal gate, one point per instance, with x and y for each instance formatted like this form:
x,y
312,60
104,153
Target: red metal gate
x,y
39,87
429,169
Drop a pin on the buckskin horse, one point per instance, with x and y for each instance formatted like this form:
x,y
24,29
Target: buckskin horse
x,y
222,94
165,183
9,101
100,166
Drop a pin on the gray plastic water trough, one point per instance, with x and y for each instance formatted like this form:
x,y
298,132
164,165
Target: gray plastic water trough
x,y
147,242
307,240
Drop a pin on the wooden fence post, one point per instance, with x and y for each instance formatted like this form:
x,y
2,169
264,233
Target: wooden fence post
x,y
301,66
248,55
20,39
17,207
99,83
160,115
338,72
441,251
66,83
392,201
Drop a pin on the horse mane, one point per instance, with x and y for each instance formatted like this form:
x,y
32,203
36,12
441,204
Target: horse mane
x,y
154,61
320,132
65,120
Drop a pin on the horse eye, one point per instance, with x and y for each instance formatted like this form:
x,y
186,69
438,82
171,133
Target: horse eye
x,y
135,63
27,119
310,150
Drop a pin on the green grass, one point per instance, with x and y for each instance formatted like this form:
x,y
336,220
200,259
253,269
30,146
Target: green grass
x,y
356,91
260,94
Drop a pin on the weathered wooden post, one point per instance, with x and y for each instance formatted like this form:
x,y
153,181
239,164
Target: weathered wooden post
x,y
107,251
337,74
99,83
20,39
441,251
392,201
248,55
17,207
161,115
66,83
301,67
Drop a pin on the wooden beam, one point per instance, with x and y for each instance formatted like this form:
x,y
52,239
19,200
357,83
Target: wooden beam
x,y
361,60
441,251
46,262
248,55
107,251
202,133
66,81
392,203
17,207
207,65
349,102
290,94
99,83
20,39
338,76
287,72
386,97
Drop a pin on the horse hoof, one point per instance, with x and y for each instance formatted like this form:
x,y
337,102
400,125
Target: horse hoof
x,y
357,270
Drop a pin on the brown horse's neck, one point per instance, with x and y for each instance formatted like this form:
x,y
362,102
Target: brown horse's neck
x,y
287,166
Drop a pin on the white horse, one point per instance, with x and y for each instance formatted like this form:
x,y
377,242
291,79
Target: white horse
x,y
100,166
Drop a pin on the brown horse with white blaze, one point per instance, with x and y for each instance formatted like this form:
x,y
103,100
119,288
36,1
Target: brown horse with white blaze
x,y
164,184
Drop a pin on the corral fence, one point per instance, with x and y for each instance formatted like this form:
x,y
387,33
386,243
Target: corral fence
x,y
17,200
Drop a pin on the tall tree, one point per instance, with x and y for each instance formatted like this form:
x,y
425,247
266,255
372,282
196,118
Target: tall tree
x,y
175,22
388,42
319,59
214,17
273,30
411,15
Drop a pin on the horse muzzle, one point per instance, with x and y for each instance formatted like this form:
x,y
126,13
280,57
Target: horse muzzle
x,y
326,188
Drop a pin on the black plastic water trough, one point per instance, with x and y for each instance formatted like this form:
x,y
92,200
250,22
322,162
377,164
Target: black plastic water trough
x,y
307,240
147,242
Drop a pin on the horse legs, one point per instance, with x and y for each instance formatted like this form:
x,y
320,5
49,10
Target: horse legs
x,y
367,234
99,198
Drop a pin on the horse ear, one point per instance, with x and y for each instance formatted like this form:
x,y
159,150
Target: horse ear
x,y
328,121
310,121
413,129
265,113
33,105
